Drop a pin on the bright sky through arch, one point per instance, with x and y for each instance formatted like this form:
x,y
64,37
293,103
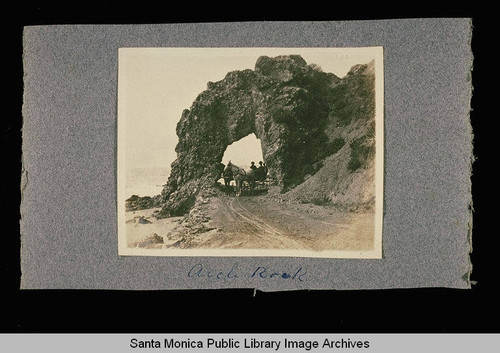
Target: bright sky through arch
x,y
244,151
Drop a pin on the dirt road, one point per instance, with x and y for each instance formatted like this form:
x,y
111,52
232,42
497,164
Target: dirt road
x,y
261,222
253,222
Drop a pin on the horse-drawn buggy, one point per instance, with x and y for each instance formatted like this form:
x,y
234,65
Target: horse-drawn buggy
x,y
250,179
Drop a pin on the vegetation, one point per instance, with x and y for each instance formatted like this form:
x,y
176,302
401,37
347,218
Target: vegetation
x,y
362,149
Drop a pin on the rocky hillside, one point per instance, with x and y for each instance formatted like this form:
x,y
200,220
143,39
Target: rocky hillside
x,y
346,178
316,132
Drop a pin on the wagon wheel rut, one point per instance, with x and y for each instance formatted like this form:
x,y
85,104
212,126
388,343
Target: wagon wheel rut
x,y
267,232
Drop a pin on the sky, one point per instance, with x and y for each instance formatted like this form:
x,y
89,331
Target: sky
x,y
243,152
156,84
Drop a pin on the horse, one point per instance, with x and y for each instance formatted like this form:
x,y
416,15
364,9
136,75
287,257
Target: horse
x,y
220,169
240,175
227,174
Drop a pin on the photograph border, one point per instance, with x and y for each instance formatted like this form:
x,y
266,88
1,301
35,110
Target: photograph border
x,y
375,253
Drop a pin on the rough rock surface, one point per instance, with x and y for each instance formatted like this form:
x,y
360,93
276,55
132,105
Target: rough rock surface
x,y
302,116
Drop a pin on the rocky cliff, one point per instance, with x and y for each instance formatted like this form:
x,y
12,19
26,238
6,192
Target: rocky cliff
x,y
304,118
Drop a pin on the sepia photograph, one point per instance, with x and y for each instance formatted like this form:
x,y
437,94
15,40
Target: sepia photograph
x,y
250,152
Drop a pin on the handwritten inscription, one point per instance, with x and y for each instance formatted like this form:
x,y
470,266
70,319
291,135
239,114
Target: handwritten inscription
x,y
199,271
260,272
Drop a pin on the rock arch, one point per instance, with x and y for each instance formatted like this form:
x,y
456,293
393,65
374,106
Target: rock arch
x,y
283,101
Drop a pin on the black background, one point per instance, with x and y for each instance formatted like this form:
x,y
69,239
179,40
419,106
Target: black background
x,y
427,310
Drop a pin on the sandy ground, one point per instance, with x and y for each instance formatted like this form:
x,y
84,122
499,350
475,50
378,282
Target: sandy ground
x,y
252,222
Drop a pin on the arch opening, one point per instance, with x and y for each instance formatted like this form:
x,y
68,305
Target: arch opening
x,y
244,151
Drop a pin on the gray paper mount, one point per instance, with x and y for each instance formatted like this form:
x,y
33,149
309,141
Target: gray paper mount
x,y
69,182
